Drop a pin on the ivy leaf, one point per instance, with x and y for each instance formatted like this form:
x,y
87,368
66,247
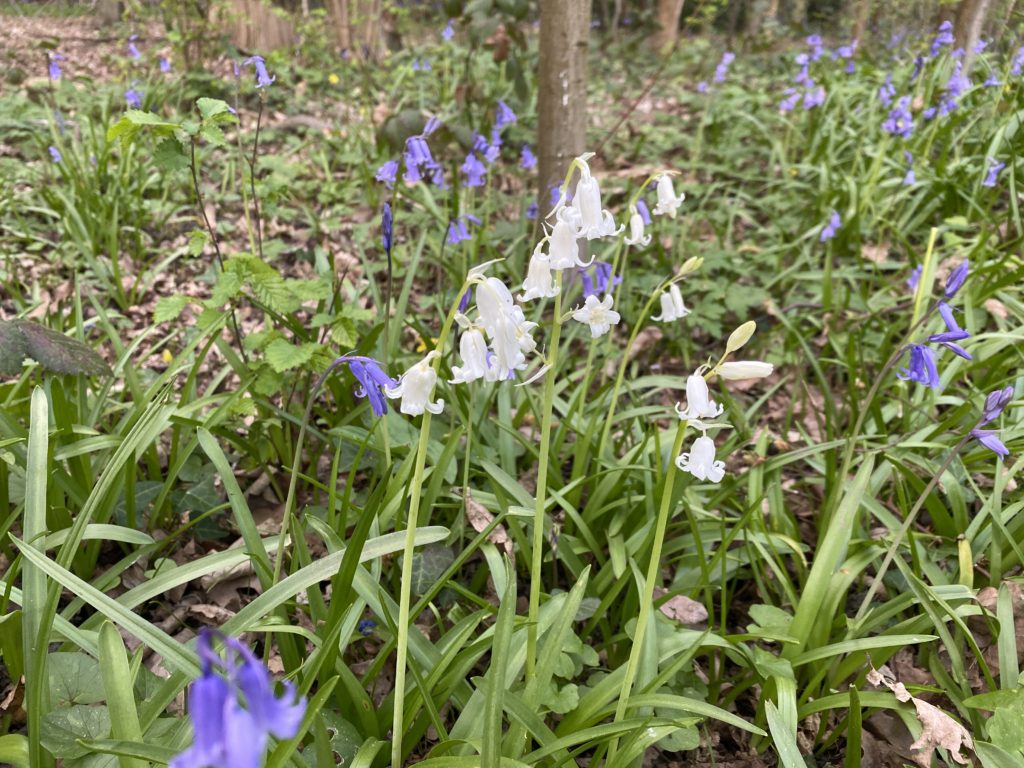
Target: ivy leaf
x,y
169,308
170,155
62,728
283,355
427,566
13,349
52,350
74,679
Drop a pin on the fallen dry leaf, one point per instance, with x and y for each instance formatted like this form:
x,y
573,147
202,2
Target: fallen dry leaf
x,y
681,608
480,518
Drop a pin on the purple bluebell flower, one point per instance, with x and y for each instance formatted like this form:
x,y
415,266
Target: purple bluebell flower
x,y
702,86
915,278
505,116
851,67
602,281
420,65
958,81
263,78
644,211
464,301
436,172
556,193
995,404
886,91
55,154
817,50
900,121
958,53
417,155
992,81
814,97
388,173
830,229
225,732
457,231
722,70
943,38
371,382
789,103
133,50
1018,63
474,171
527,160
531,211
909,179
994,167
449,31
952,334
165,64
922,368
918,66
386,227
54,66
956,278
133,97
845,51
980,46
365,627
990,440
493,151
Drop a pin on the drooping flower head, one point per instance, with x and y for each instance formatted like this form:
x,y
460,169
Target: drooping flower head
x,y
672,308
922,368
226,733
956,278
388,173
449,31
474,171
700,461
909,179
527,160
54,66
994,167
722,70
505,116
699,404
263,78
133,98
668,201
165,64
55,154
952,334
995,403
636,230
415,388
943,38
133,50
830,229
372,382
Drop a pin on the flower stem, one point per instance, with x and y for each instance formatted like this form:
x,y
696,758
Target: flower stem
x,y
537,552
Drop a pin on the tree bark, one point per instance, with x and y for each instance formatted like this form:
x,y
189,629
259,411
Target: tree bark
x,y
970,20
759,13
562,91
358,26
861,14
669,13
254,26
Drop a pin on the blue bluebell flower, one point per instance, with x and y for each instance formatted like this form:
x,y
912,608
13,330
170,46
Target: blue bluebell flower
x,y
421,65
416,155
791,100
922,367
386,226
702,86
644,211
918,66
956,278
531,211
886,91
1017,65
900,121
263,78
365,627
722,70
817,49
995,404
952,334
527,160
165,64
458,231
54,66
992,81
449,31
133,50
474,171
915,278
388,173
994,167
602,281
55,154
134,98
909,179
980,46
505,116
830,229
226,734
814,97
372,381
943,38
464,301
990,440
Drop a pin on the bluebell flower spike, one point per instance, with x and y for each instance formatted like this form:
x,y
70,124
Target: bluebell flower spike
x,y
956,278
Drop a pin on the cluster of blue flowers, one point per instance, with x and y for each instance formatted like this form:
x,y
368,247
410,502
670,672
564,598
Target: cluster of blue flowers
x,y
922,367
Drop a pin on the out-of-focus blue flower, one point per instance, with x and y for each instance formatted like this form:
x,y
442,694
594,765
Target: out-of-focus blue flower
x,y
505,116
449,31
958,53
226,734
1018,62
386,227
458,232
956,278
54,66
474,171
910,179
900,121
994,167
531,211
644,211
922,368
420,65
722,70
943,38
952,334
55,154
133,97
527,160
165,64
602,281
830,229
918,66
915,278
365,627
702,86
372,381
990,440
789,103
388,173
263,78
814,97
992,81
958,81
980,46
886,91
437,176
464,301
556,193
133,50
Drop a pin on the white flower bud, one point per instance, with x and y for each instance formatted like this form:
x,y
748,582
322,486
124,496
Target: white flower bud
x,y
744,369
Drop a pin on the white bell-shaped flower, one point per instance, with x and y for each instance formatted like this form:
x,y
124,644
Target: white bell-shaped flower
x,y
699,404
636,230
668,202
599,315
592,220
700,461
539,283
504,323
415,387
672,307
563,250
744,369
474,352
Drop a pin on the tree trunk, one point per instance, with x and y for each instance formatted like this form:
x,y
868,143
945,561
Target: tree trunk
x,y
254,26
861,14
970,20
759,13
796,13
669,12
1007,15
108,12
562,90
358,26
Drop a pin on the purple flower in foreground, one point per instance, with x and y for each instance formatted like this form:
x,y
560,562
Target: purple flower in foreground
x,y
956,278
990,440
528,160
505,116
723,66
55,154
909,179
922,367
263,78
417,155
388,173
225,732
830,229
54,66
994,167
952,334
372,381
474,170
995,403
449,31
386,227
900,121
915,278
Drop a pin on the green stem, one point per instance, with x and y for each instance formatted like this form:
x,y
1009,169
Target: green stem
x,y
647,598
405,596
537,554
